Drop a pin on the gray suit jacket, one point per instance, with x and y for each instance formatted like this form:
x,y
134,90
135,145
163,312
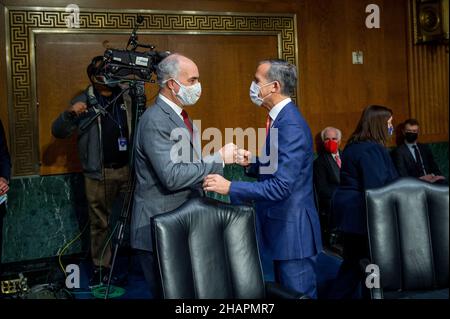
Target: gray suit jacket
x,y
165,179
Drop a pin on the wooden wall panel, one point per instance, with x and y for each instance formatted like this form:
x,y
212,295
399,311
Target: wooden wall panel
x,y
226,65
428,85
333,90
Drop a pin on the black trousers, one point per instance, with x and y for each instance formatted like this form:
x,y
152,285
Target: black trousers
x,y
147,261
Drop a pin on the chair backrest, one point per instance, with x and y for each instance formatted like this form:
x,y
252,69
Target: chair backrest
x,y
408,226
208,249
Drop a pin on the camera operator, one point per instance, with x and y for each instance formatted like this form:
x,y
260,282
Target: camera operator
x,y
103,149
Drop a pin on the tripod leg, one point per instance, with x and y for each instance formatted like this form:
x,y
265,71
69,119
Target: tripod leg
x,y
116,249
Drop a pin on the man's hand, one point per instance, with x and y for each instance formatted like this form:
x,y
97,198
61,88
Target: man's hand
x,y
77,108
243,157
437,178
228,153
427,178
216,183
4,187
430,178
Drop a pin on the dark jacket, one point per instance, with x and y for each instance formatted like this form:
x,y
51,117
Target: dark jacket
x,y
89,140
5,159
406,164
326,179
365,165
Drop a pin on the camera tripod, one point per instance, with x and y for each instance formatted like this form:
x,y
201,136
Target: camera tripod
x,y
137,94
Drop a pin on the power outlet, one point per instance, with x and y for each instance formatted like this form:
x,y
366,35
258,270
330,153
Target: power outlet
x,y
357,57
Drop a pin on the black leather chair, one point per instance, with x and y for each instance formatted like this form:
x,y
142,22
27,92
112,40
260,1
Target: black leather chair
x,y
207,249
408,226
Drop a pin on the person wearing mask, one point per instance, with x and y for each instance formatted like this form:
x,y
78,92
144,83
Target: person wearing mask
x,y
366,164
287,222
416,159
5,175
327,178
168,158
103,149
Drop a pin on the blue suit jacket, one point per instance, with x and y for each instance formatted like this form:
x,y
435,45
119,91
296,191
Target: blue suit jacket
x,y
286,217
365,165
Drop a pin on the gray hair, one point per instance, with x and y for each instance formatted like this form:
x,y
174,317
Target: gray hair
x,y
168,68
284,73
324,131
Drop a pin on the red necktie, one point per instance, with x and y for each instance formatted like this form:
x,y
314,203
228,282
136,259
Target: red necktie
x,y
187,122
338,160
268,122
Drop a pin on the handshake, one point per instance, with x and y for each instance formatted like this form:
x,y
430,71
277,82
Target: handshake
x,y
232,155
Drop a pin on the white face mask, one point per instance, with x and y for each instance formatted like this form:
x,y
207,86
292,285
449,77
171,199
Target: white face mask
x,y
254,93
188,95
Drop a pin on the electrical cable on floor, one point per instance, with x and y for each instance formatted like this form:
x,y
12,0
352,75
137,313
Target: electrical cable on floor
x,y
97,291
68,245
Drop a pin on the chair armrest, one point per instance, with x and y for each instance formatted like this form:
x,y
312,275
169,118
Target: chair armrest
x,y
375,293
276,291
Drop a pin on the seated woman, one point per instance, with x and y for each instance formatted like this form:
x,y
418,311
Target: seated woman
x,y
366,164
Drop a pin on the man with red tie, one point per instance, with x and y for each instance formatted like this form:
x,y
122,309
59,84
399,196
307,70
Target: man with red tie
x,y
327,167
287,222
166,178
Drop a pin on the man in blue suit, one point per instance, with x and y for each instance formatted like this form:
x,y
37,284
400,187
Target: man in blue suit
x,y
287,221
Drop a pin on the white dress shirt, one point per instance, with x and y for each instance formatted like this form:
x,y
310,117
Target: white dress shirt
x,y
277,109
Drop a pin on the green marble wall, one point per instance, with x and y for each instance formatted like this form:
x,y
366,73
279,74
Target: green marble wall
x,y
440,152
43,214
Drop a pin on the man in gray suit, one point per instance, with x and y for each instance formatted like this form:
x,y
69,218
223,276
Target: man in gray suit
x,y
168,160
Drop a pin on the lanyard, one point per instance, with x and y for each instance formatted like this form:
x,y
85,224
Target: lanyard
x,y
115,112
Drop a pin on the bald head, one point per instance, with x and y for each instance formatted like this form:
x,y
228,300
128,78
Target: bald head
x,y
173,67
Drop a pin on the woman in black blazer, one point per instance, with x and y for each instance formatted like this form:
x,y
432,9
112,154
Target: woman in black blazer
x,y
366,164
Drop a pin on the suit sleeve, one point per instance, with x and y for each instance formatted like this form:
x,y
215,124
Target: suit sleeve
x,y
376,168
5,159
174,175
66,124
291,152
399,162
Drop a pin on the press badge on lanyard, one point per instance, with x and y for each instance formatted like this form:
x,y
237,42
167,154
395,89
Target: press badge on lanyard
x,y
122,143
